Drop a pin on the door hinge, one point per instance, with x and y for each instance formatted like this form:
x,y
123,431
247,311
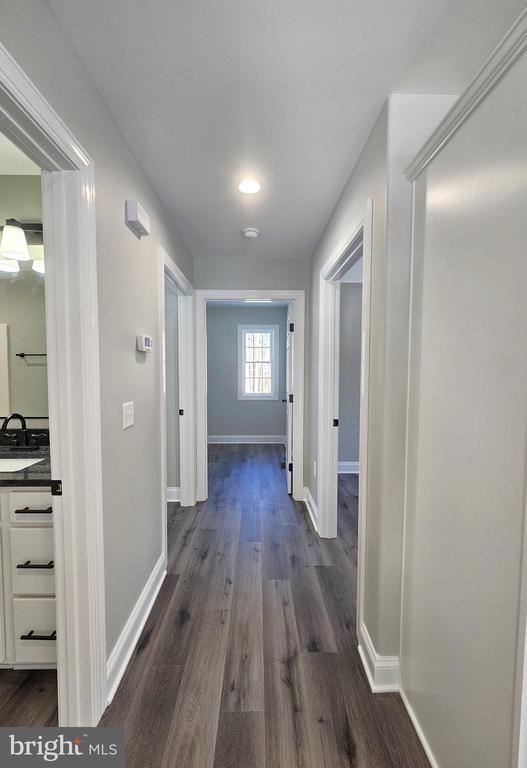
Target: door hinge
x,y
290,398
56,487
181,412
290,466
335,422
291,327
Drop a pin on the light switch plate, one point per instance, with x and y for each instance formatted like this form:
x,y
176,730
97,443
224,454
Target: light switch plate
x,y
128,414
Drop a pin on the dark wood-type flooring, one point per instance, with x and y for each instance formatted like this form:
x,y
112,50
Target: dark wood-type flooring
x,y
249,657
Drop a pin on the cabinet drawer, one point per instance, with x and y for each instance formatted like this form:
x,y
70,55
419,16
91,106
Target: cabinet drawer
x,y
36,617
31,558
30,507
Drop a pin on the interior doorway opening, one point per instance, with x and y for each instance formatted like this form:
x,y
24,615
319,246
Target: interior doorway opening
x,y
249,386
350,286
287,430
351,258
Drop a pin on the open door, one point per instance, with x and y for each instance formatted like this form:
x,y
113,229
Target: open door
x,y
289,397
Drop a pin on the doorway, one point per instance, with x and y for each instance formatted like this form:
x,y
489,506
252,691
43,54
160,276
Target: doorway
x,y
248,403
352,255
72,340
293,389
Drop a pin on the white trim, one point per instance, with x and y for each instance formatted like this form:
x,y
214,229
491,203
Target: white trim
x,y
68,192
297,299
420,733
383,672
5,408
246,439
335,267
501,59
348,468
186,369
127,640
173,494
274,330
311,507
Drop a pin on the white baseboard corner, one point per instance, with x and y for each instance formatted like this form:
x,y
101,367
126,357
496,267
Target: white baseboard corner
x,y
173,494
124,647
383,672
348,468
246,439
311,508
417,725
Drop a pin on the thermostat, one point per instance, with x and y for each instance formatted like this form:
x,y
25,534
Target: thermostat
x,y
137,218
144,343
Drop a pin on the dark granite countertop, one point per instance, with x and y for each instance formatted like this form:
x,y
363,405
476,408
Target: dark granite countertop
x,y
38,475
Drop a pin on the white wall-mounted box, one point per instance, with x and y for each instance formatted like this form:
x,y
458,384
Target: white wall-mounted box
x,y
137,219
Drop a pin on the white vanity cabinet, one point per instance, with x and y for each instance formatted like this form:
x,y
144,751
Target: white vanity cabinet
x,y
28,626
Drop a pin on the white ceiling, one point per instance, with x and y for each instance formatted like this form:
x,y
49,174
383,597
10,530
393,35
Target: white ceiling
x,y
207,92
13,162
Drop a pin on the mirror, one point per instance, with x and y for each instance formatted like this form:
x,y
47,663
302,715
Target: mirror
x,y
23,369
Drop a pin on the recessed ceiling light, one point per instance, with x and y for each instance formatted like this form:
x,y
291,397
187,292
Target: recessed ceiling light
x,y
251,233
249,186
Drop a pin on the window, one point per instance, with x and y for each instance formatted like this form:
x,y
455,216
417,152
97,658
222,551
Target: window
x,y
257,362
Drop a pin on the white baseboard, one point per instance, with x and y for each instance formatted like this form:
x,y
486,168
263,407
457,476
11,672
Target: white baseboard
x,y
247,439
124,647
311,508
417,725
383,672
173,494
348,468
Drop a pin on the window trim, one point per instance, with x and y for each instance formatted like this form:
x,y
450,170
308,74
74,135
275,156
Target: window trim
x,y
275,341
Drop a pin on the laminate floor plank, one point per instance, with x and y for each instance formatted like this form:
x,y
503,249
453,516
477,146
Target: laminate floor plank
x,y
191,739
249,658
240,742
243,683
28,698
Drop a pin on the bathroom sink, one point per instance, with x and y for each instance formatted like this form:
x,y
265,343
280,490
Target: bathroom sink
x,y
16,465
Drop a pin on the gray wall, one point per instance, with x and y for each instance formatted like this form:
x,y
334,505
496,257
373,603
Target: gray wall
x,y
22,306
251,273
402,126
226,414
349,388
466,441
128,304
172,383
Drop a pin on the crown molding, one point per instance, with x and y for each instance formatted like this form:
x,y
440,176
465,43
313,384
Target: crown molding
x,y
501,59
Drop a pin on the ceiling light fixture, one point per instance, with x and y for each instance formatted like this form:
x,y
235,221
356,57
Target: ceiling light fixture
x,y
14,244
37,254
251,233
249,186
9,265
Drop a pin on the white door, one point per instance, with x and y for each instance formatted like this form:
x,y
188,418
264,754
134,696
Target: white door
x,y
289,398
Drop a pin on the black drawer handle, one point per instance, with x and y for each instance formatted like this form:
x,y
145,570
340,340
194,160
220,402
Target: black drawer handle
x,y
31,636
28,565
28,511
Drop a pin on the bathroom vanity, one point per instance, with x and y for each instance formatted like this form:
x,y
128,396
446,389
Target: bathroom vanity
x,y
27,573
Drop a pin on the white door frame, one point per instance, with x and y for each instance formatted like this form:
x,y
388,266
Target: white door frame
x,y
186,386
344,255
297,299
68,193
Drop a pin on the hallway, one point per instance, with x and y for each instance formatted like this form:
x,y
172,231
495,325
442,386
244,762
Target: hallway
x,y
249,655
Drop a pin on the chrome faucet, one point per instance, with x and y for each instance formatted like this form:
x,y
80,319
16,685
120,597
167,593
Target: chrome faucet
x,y
11,416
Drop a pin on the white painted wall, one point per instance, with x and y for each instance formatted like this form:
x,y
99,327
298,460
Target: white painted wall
x,y
466,437
402,126
226,414
128,304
